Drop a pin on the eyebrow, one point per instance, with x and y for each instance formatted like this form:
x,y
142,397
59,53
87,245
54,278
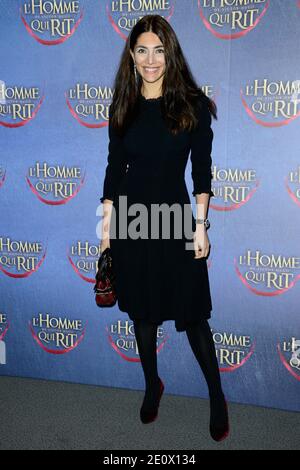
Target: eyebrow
x,y
155,47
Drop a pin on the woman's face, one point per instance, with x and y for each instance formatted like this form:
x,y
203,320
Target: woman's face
x,y
149,57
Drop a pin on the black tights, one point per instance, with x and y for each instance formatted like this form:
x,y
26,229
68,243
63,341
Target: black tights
x,y
145,334
202,344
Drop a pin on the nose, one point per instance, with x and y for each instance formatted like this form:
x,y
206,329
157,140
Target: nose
x,y
150,58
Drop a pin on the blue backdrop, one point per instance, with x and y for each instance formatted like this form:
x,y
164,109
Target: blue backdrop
x,y
58,61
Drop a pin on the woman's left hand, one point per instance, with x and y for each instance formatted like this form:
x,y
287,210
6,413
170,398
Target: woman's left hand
x,y
201,242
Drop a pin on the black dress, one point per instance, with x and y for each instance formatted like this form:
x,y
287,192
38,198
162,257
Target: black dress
x,y
158,279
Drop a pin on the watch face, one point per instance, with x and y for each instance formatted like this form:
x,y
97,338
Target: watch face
x,y
205,222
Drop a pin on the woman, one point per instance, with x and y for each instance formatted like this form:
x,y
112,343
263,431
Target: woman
x,y
157,116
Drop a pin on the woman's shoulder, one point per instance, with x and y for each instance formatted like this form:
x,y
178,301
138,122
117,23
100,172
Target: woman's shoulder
x,y
201,104
201,101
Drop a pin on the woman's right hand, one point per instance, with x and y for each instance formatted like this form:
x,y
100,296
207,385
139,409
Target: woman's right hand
x,y
104,244
107,210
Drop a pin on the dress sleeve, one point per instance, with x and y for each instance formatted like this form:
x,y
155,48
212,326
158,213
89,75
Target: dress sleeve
x,y
201,146
116,164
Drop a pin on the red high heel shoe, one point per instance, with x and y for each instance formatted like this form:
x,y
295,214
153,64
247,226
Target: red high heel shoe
x,y
150,416
220,433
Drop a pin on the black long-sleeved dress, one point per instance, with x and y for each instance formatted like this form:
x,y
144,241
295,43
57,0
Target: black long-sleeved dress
x,y
158,279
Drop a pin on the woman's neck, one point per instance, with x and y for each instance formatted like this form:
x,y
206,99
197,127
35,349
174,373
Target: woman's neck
x,y
151,92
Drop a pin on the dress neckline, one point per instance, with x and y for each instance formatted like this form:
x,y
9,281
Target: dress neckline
x,y
151,100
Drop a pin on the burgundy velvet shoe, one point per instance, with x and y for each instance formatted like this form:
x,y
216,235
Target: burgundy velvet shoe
x,y
148,416
220,432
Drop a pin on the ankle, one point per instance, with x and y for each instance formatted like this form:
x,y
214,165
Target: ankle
x,y
217,396
153,383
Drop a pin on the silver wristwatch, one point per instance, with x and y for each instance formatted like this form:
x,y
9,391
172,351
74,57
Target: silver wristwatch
x,y
205,222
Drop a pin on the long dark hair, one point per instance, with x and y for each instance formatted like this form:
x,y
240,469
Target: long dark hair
x,y
179,89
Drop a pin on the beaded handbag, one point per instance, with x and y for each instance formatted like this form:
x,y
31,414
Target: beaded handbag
x,y
105,286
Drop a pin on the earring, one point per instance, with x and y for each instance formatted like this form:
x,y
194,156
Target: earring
x,y
135,74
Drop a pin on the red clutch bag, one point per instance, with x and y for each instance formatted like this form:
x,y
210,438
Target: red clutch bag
x,y
104,288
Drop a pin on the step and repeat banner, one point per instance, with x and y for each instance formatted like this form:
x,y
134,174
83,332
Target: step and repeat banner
x,y
58,62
